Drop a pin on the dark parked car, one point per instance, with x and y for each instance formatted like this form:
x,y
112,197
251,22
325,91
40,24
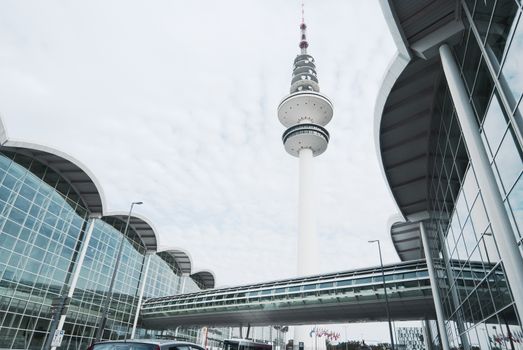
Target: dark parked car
x,y
144,344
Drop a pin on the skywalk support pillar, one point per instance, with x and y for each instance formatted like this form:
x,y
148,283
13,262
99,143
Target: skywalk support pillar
x,y
440,315
499,220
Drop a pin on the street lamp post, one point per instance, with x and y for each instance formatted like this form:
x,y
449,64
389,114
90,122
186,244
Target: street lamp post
x,y
107,301
385,290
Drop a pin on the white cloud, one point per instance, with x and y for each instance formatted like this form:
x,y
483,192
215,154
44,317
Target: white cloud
x,y
174,103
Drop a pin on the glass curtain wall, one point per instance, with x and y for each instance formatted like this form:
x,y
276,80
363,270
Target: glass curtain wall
x,y
491,61
164,276
42,226
93,284
42,222
191,286
163,279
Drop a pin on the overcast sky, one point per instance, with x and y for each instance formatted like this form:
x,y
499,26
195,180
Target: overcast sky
x,y
174,103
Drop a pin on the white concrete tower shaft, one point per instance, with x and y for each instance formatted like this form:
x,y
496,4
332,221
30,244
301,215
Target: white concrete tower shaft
x,y
307,235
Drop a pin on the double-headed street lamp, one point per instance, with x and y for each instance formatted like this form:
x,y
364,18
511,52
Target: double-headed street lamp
x,y
385,290
107,301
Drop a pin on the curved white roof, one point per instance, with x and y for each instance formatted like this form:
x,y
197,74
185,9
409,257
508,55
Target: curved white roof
x,y
181,257
141,225
72,170
404,120
205,278
407,240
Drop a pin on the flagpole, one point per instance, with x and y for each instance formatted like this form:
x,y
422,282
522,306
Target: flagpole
x,y
510,338
489,341
315,341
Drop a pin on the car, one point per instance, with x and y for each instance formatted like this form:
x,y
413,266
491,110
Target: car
x,y
144,344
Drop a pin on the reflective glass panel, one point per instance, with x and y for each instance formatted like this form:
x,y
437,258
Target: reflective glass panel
x,y
482,13
515,199
509,161
495,124
500,27
512,70
472,58
479,216
483,88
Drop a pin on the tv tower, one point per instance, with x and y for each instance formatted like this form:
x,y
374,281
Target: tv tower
x,y
305,112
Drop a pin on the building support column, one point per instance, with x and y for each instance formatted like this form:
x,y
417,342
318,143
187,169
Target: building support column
x,y
440,315
499,220
140,297
74,281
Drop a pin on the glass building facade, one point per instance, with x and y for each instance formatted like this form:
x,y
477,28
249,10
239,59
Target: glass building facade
x,y
43,225
490,58
41,231
93,285
164,278
463,239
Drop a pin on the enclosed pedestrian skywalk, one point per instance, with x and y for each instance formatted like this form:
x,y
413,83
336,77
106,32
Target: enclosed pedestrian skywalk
x,y
353,295
350,296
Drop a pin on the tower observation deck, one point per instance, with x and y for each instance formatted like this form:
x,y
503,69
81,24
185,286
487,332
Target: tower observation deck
x,y
305,111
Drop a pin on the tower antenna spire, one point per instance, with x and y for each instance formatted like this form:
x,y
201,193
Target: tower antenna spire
x,y
304,44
